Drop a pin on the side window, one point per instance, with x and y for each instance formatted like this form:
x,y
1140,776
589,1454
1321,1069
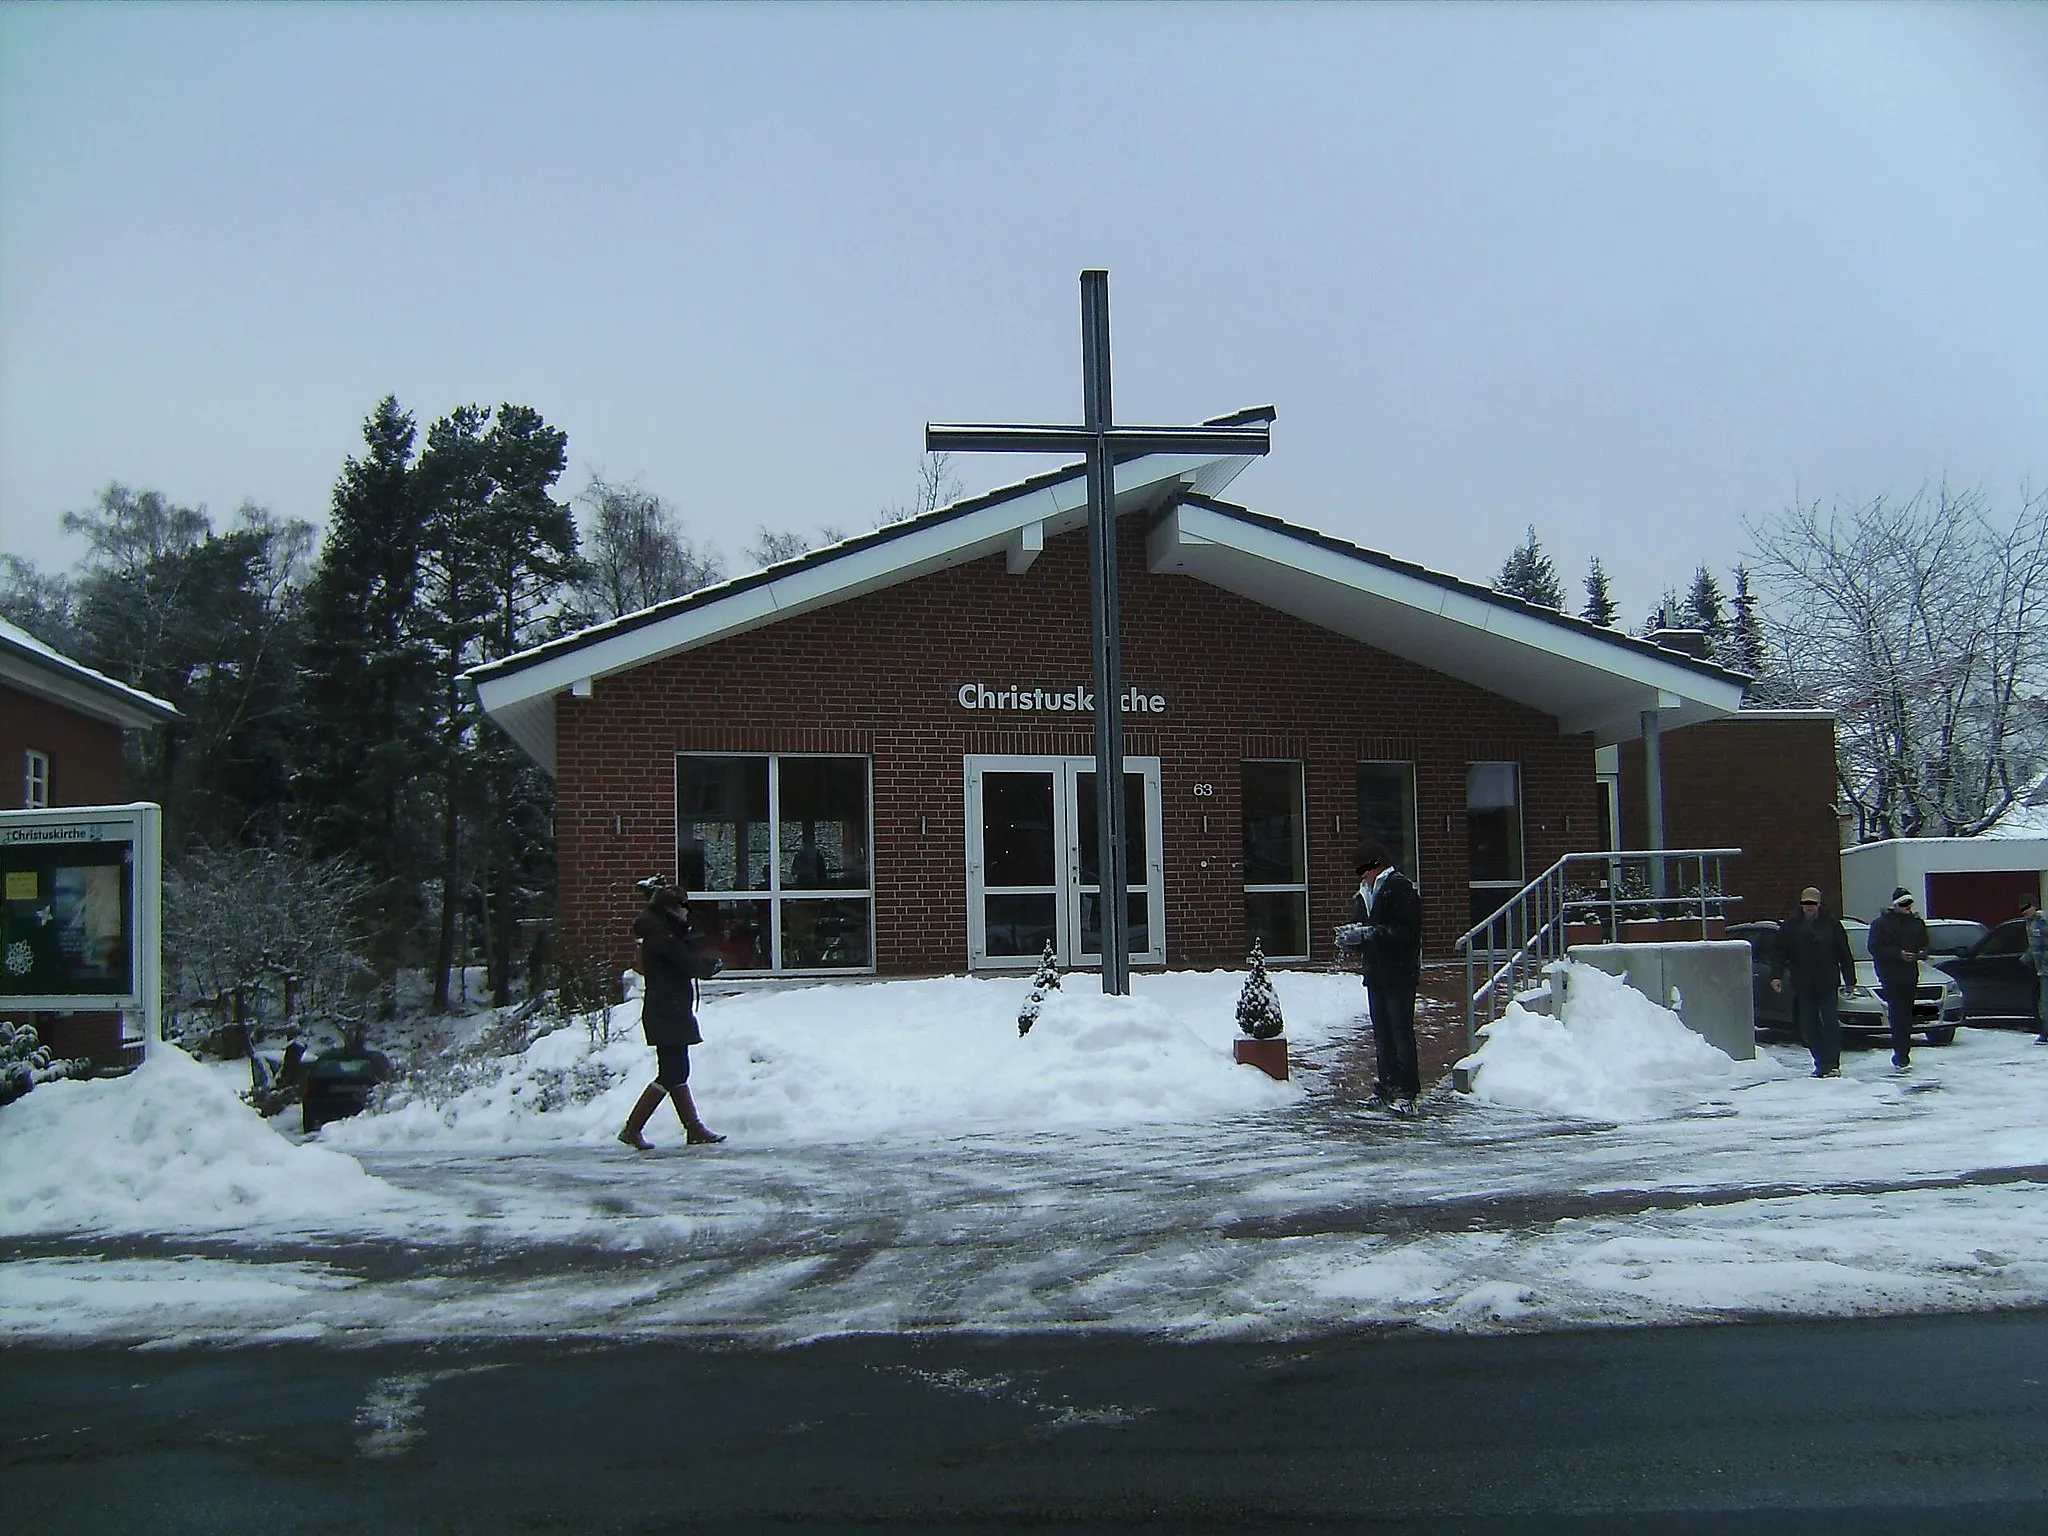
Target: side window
x,y
1493,823
1386,812
35,780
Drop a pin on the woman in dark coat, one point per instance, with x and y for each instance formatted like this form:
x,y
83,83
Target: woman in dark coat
x,y
672,959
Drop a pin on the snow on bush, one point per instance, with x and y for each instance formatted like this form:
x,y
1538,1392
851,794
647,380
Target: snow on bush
x,y
169,1147
1614,1056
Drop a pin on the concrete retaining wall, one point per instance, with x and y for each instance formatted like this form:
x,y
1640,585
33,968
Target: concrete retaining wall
x,y
1711,980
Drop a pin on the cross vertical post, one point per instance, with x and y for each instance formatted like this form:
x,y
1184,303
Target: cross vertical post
x,y
1104,444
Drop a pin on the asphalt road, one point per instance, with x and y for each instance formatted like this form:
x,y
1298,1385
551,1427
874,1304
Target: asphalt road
x,y
1920,1425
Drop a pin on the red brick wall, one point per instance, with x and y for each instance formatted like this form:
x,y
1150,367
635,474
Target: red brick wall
x,y
1754,782
85,754
876,675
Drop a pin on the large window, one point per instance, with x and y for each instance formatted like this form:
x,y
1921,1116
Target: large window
x,y
1493,830
775,852
1386,813
1275,859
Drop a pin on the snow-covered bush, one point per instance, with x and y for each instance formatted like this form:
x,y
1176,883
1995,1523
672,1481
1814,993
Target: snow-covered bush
x,y
1045,979
26,1061
1258,1005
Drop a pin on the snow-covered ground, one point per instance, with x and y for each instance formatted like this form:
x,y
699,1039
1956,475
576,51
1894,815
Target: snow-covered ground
x,y
901,1159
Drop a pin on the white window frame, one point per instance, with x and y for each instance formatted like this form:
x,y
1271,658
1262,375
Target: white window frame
x,y
35,780
774,896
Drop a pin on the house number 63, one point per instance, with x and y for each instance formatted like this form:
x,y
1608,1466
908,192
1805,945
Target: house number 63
x,y
1205,789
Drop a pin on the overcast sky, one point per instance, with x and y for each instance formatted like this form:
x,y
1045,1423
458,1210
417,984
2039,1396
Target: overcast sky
x,y
1631,274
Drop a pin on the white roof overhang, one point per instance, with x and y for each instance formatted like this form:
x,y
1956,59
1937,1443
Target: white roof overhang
x,y
519,692
37,669
1591,679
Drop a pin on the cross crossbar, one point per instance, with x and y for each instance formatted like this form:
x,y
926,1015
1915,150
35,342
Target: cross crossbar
x,y
1125,442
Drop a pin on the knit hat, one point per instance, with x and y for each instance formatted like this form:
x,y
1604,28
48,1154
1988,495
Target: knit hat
x,y
1902,897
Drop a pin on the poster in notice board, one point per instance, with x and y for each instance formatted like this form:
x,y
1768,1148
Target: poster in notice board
x,y
67,919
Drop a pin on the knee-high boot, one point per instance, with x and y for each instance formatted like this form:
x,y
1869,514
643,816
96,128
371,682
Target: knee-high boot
x,y
695,1131
650,1100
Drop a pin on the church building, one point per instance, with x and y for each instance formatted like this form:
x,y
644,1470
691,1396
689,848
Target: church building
x,y
879,757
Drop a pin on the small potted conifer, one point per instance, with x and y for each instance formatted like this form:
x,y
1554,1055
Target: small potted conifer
x,y
1261,1044
1047,979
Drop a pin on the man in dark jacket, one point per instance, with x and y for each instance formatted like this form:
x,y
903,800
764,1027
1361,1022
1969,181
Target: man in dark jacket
x,y
1898,943
672,959
1813,950
1387,932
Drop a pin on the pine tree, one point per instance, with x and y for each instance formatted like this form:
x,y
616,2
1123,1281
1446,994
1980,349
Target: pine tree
x,y
367,788
1703,609
1046,979
1258,1006
1529,574
1599,607
1744,649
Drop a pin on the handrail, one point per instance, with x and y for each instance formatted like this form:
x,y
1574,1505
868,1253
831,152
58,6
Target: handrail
x,y
1514,946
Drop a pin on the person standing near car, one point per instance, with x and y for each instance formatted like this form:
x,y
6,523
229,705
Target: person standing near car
x,y
1898,943
1813,950
673,958
1387,932
2036,930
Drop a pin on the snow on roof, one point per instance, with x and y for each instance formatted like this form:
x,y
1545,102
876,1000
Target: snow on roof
x,y
40,669
1593,679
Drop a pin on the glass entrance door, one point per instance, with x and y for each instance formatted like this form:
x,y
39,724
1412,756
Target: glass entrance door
x,y
1034,866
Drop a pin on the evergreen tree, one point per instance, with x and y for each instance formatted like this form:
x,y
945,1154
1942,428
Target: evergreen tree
x,y
1258,1005
1529,574
1045,979
1599,607
367,786
1703,608
1744,649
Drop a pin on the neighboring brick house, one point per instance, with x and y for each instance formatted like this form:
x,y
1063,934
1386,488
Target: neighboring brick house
x,y
1762,781
61,728
880,756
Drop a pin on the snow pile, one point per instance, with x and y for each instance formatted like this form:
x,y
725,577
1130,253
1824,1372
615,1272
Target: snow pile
x,y
1614,1056
166,1148
851,1062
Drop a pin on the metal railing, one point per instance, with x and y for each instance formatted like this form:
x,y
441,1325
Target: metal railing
x,y
1507,953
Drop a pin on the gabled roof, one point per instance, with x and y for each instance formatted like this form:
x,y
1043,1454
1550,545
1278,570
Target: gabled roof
x,y
1590,678
35,668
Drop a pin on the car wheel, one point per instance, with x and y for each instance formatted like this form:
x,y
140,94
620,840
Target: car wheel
x,y
1945,1035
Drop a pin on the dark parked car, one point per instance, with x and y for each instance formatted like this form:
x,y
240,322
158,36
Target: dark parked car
x,y
1996,980
339,1083
1937,1003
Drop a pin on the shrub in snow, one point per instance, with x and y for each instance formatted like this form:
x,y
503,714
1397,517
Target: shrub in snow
x,y
1046,979
26,1061
1258,1006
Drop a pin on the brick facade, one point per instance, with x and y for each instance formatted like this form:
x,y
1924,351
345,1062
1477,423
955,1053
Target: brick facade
x,y
1764,783
876,675
86,765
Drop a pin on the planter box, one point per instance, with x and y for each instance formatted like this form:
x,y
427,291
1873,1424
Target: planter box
x,y
1675,930
1269,1056
1583,933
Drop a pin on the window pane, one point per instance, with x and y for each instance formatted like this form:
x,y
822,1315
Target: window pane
x,y
1138,935
722,823
1386,812
823,811
1019,925
739,932
1091,831
1016,831
818,934
1279,920
1493,819
1275,844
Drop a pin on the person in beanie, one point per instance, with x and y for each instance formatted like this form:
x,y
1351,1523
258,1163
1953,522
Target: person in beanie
x,y
1387,931
673,959
1813,951
2036,929
1898,943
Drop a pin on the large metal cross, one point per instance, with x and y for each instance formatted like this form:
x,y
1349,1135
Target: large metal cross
x,y
1106,446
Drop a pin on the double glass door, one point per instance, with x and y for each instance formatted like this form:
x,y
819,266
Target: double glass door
x,y
1034,870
